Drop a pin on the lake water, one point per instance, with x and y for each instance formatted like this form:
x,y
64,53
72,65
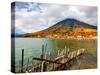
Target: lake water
x,y
33,47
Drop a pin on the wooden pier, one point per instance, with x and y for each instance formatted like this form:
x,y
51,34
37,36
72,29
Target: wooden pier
x,y
60,62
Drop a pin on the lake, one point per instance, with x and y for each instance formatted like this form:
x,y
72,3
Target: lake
x,y
33,47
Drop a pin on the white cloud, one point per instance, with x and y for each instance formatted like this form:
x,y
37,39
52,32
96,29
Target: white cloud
x,y
37,17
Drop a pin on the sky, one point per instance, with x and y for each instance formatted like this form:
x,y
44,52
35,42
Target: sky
x,y
32,17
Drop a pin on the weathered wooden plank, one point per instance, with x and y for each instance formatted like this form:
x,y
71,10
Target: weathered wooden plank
x,y
46,60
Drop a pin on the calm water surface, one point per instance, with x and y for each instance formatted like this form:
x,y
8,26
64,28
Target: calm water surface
x,y
33,47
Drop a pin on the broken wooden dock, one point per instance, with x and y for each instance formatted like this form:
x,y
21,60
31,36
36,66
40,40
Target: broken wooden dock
x,y
60,62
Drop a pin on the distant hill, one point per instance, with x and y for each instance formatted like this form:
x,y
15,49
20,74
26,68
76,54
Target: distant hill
x,y
16,31
64,29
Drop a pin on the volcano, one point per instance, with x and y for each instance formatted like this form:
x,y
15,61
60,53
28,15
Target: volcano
x,y
64,29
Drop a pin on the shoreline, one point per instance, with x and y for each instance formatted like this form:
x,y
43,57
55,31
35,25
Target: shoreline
x,y
76,38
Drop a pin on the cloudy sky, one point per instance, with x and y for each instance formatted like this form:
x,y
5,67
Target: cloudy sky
x,y
32,17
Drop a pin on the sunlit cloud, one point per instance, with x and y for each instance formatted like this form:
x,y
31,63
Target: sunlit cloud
x,y
33,17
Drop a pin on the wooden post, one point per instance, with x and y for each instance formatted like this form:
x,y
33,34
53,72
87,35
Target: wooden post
x,y
78,52
65,50
73,54
27,64
53,66
46,56
45,47
22,60
49,54
58,53
68,52
42,52
33,65
63,56
45,52
19,66
39,67
42,66
62,52
42,57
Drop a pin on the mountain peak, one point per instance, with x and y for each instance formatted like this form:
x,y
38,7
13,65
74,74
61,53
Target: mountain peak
x,y
70,19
